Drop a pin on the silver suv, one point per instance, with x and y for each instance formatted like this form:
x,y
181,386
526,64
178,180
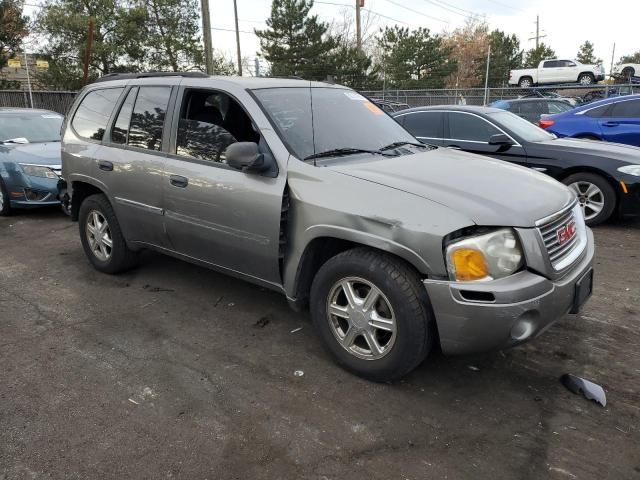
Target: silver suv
x,y
311,190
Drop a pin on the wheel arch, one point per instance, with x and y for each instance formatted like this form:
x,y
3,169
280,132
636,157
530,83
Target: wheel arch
x,y
80,190
324,246
595,171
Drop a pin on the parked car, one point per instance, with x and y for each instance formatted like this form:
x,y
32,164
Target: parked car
x,y
389,106
614,119
544,93
613,91
311,190
30,163
532,109
556,71
604,177
626,70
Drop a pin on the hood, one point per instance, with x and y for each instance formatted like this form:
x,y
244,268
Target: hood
x,y
580,146
47,153
489,192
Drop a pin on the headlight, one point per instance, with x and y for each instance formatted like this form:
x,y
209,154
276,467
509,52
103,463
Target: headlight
x,y
630,170
484,257
38,171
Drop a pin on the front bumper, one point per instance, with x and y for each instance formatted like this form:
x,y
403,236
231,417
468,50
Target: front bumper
x,y
34,192
524,305
600,77
630,201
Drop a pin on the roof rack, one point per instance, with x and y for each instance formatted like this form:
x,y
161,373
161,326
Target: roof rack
x,y
129,76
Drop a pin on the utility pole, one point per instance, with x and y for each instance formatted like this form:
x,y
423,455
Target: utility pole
x,y
235,11
206,36
538,36
486,77
87,52
613,55
359,5
257,66
26,67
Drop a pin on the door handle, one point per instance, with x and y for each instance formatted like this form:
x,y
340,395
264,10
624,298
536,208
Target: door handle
x,y
178,181
610,124
106,166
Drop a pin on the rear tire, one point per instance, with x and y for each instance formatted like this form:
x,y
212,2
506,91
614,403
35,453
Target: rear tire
x,y
525,82
627,73
384,327
596,196
5,201
102,237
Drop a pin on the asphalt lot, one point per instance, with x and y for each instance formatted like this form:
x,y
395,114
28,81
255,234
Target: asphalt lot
x,y
174,371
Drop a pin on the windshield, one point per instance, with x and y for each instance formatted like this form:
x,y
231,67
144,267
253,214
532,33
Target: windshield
x,y
525,130
341,119
35,127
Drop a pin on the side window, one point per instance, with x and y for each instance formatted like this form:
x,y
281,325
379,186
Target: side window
x,y
626,109
598,112
209,122
531,108
120,129
91,117
148,116
569,63
550,64
463,126
557,107
424,124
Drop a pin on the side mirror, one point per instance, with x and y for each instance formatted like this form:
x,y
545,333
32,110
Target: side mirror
x,y
500,139
246,156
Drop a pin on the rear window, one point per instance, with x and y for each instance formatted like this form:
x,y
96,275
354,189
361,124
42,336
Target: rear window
x,y
91,117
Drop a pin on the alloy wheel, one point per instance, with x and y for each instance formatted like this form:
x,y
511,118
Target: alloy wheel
x,y
590,197
99,235
361,318
585,80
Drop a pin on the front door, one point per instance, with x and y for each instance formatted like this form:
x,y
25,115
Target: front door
x,y
622,123
214,213
470,132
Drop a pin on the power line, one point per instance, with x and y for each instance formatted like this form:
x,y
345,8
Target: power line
x,y
221,29
416,11
366,10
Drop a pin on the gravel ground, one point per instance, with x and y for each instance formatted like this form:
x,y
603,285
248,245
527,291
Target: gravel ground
x,y
174,371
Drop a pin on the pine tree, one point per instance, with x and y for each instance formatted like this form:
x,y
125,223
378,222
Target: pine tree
x,y
295,42
13,28
533,57
586,55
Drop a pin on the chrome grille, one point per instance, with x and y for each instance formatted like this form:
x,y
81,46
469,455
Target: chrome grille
x,y
549,231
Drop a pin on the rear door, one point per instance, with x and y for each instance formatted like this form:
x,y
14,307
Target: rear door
x,y
426,126
131,162
470,132
622,123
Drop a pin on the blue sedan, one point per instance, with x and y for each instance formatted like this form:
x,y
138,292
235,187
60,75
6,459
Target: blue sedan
x,y
30,165
613,120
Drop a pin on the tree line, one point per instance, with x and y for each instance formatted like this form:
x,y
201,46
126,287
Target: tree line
x,y
164,35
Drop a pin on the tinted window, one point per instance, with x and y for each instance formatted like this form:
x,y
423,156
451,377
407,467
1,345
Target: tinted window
x,y
550,64
557,107
92,116
341,119
424,124
520,127
598,111
121,126
531,108
566,63
463,126
627,109
148,116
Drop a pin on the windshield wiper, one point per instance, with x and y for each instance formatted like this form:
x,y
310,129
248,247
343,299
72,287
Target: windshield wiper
x,y
393,145
337,152
20,140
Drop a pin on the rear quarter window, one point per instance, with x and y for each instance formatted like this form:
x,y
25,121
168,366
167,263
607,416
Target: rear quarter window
x,y
92,116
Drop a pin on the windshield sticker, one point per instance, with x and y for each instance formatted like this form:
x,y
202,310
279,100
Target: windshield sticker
x,y
372,108
354,96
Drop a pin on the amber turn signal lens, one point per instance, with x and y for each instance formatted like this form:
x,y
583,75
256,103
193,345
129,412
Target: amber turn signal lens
x,y
469,264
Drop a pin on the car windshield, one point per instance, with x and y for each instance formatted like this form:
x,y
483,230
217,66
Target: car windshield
x,y
35,127
342,119
525,130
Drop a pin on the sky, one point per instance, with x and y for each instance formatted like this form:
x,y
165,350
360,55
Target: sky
x,y
566,23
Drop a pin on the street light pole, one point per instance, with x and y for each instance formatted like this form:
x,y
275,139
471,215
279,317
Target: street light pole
x,y
359,4
235,12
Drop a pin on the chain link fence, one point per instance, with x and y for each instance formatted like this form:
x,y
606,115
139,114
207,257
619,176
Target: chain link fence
x,y
476,96
48,100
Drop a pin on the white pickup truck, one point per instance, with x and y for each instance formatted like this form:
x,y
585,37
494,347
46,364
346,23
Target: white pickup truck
x,y
626,70
557,71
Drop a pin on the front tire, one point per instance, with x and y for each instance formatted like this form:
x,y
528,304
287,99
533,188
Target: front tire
x,y
373,314
596,196
5,202
586,79
627,73
102,237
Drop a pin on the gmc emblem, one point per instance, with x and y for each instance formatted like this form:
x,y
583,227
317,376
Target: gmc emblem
x,y
566,232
